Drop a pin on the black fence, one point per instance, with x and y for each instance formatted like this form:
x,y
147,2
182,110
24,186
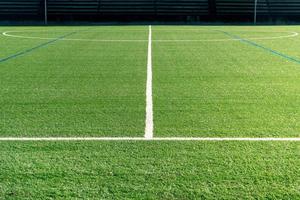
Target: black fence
x,y
173,10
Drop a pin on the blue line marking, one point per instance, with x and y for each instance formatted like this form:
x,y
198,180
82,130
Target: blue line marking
x,y
34,48
296,60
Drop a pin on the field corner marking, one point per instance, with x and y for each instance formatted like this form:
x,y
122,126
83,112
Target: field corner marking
x,y
149,100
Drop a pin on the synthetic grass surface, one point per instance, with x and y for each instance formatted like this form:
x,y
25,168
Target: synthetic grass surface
x,y
225,88
70,88
150,170
205,86
81,86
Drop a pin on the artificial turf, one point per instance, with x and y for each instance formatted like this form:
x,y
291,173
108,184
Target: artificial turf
x,y
225,88
73,88
150,170
204,83
92,83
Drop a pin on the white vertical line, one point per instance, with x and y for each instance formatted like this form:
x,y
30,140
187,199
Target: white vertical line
x,y
149,100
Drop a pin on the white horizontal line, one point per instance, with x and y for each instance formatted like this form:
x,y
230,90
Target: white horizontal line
x,y
144,139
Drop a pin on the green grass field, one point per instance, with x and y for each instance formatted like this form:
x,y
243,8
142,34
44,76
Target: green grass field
x,y
208,82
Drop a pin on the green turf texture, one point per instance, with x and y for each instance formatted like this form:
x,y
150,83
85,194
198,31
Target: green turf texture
x,y
71,88
200,89
150,170
227,88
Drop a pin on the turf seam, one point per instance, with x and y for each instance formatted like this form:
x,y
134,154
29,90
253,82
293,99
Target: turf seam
x,y
26,51
249,42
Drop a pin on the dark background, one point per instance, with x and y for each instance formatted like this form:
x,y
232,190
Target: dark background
x,y
268,11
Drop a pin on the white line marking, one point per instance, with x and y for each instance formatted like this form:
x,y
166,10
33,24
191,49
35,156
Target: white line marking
x,y
290,34
149,99
149,102
143,139
73,39
69,39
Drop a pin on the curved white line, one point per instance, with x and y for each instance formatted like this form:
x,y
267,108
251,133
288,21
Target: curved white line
x,y
292,34
67,39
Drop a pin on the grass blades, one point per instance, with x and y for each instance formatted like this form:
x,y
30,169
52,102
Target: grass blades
x,y
150,170
224,89
82,86
70,88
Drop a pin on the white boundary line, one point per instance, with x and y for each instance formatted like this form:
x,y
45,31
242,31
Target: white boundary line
x,y
149,99
149,104
291,34
144,139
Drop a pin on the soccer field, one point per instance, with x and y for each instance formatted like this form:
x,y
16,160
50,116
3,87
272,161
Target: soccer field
x,y
150,112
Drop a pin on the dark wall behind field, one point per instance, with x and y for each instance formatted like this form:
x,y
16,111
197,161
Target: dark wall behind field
x,y
158,10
